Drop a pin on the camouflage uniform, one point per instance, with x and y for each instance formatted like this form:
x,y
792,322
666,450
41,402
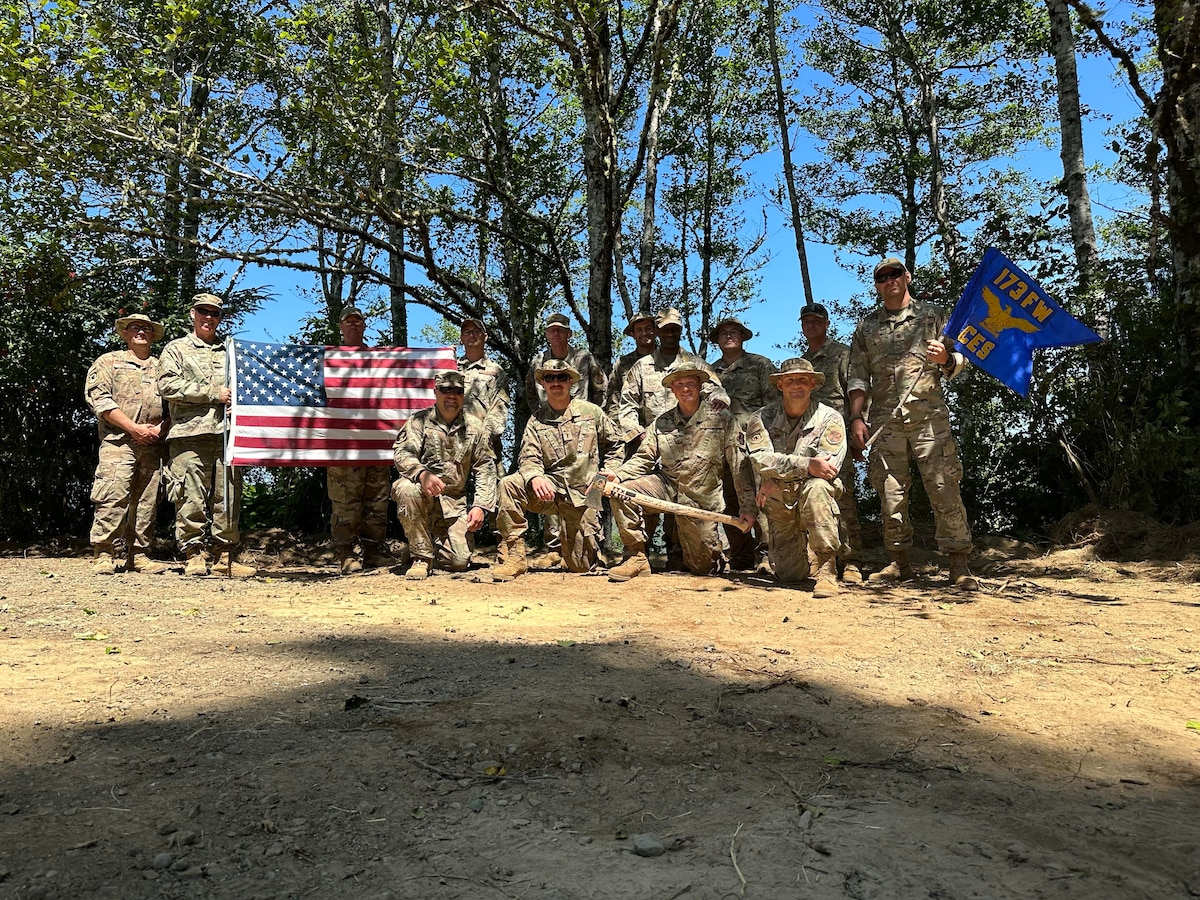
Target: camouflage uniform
x,y
887,355
436,527
612,402
567,448
486,397
359,496
833,361
643,397
681,460
125,489
803,510
191,377
592,385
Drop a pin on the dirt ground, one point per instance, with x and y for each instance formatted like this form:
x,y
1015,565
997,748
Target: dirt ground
x,y
559,736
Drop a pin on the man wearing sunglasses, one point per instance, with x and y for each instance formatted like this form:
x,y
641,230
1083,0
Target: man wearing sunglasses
x,y
899,358
566,443
436,453
122,390
206,492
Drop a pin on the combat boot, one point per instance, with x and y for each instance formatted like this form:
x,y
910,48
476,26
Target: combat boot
x,y
197,562
228,565
348,562
103,562
899,569
512,560
826,576
140,562
552,560
637,563
960,573
375,556
419,570
763,565
851,573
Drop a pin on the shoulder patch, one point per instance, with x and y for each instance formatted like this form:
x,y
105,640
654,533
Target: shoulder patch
x,y
835,434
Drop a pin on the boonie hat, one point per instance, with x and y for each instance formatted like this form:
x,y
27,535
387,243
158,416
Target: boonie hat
x,y
746,332
796,366
815,309
890,263
669,316
556,365
125,321
640,317
208,300
677,373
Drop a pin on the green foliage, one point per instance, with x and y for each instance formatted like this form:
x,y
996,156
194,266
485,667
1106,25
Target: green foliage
x,y
294,499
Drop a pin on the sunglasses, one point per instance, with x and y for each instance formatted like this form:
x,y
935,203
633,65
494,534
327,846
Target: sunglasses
x,y
556,376
139,326
209,313
450,390
888,275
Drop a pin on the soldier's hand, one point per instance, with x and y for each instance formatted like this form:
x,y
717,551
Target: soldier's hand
x,y
717,404
746,522
937,352
858,437
768,488
226,396
822,467
542,489
144,434
474,518
431,485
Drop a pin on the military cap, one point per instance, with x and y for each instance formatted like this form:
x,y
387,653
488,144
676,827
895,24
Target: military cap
x,y
208,300
559,320
815,309
797,366
890,263
125,321
640,317
478,322
349,311
669,316
686,369
746,332
449,378
556,365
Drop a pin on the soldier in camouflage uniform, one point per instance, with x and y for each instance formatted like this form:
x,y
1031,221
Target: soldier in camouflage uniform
x,y
746,378
486,384
122,390
358,495
436,452
796,447
207,494
644,332
899,358
592,386
681,460
832,359
566,443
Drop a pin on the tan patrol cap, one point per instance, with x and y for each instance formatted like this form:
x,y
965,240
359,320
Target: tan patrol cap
x,y
206,299
797,366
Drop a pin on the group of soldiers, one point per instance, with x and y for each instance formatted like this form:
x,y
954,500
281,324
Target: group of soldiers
x,y
769,449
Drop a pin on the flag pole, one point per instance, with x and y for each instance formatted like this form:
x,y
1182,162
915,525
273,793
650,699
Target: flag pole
x,y
229,381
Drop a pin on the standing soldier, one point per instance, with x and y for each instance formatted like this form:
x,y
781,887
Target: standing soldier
x,y
645,338
832,359
436,452
122,390
486,384
796,447
746,378
899,358
358,495
207,494
681,460
565,445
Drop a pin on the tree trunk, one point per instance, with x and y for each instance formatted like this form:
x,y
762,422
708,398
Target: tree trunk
x,y
660,100
392,176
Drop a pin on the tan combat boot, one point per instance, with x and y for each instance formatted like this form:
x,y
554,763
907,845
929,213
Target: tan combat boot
x,y
376,556
763,564
960,573
512,560
899,569
636,563
851,573
826,576
228,565
419,570
140,562
103,562
197,562
348,563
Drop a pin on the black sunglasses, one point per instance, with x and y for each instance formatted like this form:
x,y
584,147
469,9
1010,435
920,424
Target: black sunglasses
x,y
555,376
888,275
451,390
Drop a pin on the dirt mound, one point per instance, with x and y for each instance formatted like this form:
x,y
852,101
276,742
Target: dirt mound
x,y
1123,535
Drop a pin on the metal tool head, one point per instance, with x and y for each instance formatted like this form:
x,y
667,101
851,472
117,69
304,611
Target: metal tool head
x,y
594,498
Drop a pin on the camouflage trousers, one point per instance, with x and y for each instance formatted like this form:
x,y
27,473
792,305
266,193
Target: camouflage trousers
x,y
849,531
125,492
577,529
799,518
931,446
702,542
197,481
359,496
431,534
743,547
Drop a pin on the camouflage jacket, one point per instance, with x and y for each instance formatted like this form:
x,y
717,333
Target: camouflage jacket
x,y
612,402
486,393
690,454
887,356
643,397
746,382
191,375
569,448
453,451
592,385
832,361
119,380
780,448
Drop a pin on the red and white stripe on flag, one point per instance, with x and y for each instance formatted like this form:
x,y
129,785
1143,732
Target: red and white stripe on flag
x,y
307,405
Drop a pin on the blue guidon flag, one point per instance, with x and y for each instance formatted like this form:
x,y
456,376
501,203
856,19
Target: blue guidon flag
x,y
308,405
1004,315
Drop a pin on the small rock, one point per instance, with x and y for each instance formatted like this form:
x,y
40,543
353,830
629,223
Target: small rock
x,y
179,865
275,849
648,845
163,860
476,804
9,809
805,822
191,872
165,828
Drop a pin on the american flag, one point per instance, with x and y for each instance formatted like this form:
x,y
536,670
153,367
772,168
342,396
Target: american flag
x,y
307,405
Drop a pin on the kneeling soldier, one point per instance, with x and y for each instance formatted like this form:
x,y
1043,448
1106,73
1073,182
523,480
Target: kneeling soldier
x,y
796,448
436,452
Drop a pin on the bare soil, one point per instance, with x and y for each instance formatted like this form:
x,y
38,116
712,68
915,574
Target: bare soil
x,y
301,735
